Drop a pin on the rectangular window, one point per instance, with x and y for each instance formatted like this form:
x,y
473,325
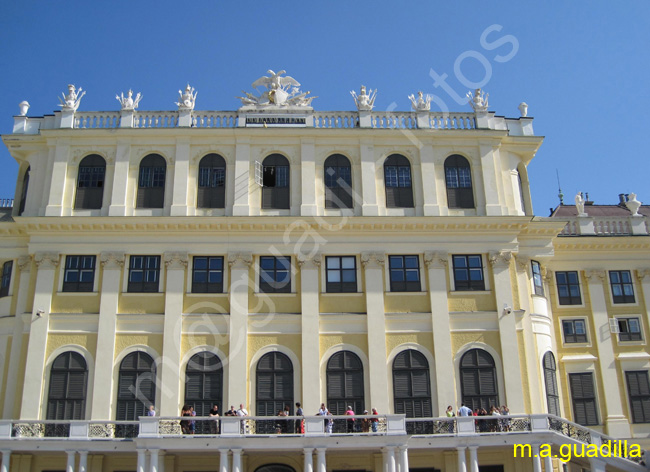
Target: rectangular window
x,y
468,272
575,331
568,288
583,397
79,275
275,274
638,389
207,274
341,274
144,273
6,278
622,288
629,329
404,273
537,278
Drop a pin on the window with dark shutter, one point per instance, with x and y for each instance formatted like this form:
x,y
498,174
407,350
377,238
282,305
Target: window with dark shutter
x,y
478,380
274,384
629,329
276,183
144,273
151,182
204,386
207,274
411,385
622,287
212,182
23,193
6,278
79,275
638,389
67,392
136,386
575,331
341,273
344,378
90,183
404,273
397,179
468,272
275,274
583,397
568,288
338,182
458,176
550,379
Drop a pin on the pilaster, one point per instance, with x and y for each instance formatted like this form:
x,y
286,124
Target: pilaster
x,y
490,182
644,278
368,179
58,179
180,197
120,179
308,177
309,300
431,205
242,165
239,263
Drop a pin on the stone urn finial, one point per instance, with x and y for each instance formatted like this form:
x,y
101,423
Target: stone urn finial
x,y
24,107
633,204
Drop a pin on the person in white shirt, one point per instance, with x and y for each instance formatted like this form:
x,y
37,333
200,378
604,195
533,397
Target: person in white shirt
x,y
151,411
243,412
464,411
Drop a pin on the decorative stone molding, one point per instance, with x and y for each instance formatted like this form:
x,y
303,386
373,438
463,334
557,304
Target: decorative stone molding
x,y
112,260
641,274
240,260
309,262
47,260
523,263
547,273
372,259
175,260
435,260
595,275
500,259
25,263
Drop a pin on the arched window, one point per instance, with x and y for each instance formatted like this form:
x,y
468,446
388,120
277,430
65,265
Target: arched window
x,y
274,384
275,468
411,384
212,182
23,193
338,182
151,182
397,178
478,380
67,394
345,383
552,393
458,176
136,387
204,382
276,180
90,183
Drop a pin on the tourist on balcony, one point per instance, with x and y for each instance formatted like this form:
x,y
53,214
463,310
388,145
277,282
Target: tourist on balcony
x,y
350,412
231,412
192,422
280,426
185,424
323,411
506,422
464,411
365,423
214,425
299,426
496,424
151,411
374,422
243,412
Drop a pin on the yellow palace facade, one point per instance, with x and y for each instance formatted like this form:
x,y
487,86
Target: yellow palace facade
x,y
277,255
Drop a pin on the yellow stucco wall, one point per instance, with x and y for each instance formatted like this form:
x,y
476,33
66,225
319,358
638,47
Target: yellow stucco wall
x,y
123,341
462,301
141,303
189,341
213,303
65,303
86,340
329,340
412,303
343,303
524,371
424,339
5,369
20,377
491,338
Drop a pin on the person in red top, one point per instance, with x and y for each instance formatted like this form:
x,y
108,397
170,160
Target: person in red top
x,y
350,412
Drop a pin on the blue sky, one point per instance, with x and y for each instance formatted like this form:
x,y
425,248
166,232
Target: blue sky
x,y
581,66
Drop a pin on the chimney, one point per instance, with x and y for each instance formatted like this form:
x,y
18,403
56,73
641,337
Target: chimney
x,y
621,199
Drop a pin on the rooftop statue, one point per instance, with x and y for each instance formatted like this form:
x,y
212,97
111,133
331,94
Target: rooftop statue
x,y
580,204
364,101
128,103
633,204
187,99
421,103
280,91
478,100
72,100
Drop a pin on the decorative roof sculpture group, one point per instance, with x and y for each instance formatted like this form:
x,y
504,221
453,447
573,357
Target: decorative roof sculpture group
x,y
280,92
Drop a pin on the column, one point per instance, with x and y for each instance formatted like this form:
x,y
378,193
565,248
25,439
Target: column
x,y
473,459
548,463
236,460
58,179
431,205
120,179
308,464
321,466
436,263
71,458
24,265
373,264
537,462
242,166
83,461
368,179
308,177
112,264
389,459
507,331
142,460
153,460
462,459
176,262
238,329
309,276
596,465
181,177
6,461
617,424
490,182
35,363
403,459
223,460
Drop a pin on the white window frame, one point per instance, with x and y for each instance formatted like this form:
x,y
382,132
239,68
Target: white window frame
x,y
294,273
557,292
562,319
452,280
62,263
387,272
190,266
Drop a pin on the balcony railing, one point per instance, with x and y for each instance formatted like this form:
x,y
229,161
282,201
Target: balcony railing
x,y
606,226
62,429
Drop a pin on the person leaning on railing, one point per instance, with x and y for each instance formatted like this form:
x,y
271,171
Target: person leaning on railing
x,y
214,425
374,421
